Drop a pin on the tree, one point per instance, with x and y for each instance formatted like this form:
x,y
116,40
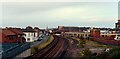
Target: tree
x,y
114,53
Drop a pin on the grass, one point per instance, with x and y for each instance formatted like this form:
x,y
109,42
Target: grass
x,y
89,42
83,42
96,44
42,45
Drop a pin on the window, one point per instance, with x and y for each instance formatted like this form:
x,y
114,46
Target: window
x,y
28,39
34,34
6,38
31,34
12,37
75,34
86,35
102,35
89,35
28,34
25,34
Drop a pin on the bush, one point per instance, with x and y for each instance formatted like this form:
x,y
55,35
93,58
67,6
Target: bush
x,y
42,45
34,50
114,53
85,53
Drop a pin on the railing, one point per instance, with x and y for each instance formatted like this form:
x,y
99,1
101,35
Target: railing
x,y
12,52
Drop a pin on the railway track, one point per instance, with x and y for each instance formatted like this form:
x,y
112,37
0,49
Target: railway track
x,y
63,54
40,54
56,50
51,51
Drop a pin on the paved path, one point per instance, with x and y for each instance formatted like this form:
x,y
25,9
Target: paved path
x,y
24,54
27,52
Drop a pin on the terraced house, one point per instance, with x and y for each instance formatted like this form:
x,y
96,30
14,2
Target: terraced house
x,y
11,35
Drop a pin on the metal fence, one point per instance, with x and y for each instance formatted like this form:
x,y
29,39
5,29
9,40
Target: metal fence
x,y
12,52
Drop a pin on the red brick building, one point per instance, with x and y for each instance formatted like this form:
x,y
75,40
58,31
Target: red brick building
x,y
107,39
10,35
95,33
68,29
19,33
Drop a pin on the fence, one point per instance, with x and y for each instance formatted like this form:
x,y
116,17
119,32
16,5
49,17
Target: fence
x,y
12,52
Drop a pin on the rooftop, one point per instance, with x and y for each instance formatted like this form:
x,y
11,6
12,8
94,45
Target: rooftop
x,y
7,32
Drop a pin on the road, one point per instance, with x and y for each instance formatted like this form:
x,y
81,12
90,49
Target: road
x,y
27,52
45,38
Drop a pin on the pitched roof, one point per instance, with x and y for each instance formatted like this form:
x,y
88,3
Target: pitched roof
x,y
7,32
28,30
16,31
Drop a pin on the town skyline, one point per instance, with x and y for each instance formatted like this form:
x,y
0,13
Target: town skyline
x,y
82,29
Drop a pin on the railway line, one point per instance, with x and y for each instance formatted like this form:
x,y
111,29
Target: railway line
x,y
53,50
63,54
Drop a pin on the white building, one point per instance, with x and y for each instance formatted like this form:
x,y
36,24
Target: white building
x,y
107,33
30,34
117,37
37,33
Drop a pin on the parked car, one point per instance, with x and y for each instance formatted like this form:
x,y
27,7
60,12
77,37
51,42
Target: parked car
x,y
39,39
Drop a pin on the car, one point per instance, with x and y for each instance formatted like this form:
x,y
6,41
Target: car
x,y
39,39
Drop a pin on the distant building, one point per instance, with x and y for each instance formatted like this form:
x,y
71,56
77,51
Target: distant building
x,y
95,33
68,29
72,29
104,33
80,32
37,33
30,34
117,25
108,34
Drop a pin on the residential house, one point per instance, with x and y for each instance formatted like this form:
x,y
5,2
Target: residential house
x,y
37,33
19,33
29,34
8,36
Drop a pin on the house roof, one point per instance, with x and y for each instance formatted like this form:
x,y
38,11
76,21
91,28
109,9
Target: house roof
x,y
28,30
75,29
16,31
7,32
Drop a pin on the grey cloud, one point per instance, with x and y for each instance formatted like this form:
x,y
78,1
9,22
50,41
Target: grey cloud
x,y
23,14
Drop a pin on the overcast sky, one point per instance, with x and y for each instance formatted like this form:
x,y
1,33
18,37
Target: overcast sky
x,y
53,14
